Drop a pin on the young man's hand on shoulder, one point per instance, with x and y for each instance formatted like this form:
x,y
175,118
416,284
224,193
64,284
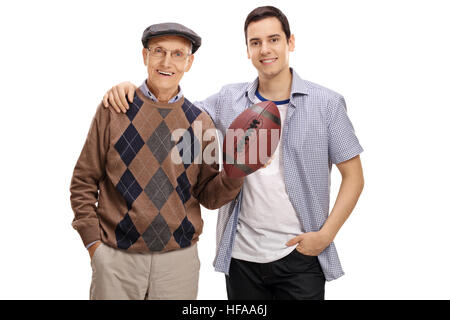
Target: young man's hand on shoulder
x,y
116,97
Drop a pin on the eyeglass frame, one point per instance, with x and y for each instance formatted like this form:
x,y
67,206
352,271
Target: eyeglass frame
x,y
149,49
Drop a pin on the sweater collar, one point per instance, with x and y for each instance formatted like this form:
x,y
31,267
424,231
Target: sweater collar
x,y
146,91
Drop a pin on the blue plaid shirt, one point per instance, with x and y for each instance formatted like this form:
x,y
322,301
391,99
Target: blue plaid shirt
x,y
317,133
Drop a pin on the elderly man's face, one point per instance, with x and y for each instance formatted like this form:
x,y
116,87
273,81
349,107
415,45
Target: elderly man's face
x,y
167,59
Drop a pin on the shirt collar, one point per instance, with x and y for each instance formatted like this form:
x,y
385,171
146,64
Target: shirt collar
x,y
298,87
146,91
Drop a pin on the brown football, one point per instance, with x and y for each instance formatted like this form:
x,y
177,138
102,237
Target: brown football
x,y
251,139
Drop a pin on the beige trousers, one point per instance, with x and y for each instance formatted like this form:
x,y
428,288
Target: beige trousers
x,y
121,275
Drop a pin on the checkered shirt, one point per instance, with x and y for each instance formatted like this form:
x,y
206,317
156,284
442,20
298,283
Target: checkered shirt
x,y
317,133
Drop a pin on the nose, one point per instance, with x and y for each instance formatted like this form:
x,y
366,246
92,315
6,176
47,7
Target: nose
x,y
265,48
166,60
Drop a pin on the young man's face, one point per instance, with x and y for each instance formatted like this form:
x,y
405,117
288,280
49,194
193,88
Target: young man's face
x,y
165,68
268,47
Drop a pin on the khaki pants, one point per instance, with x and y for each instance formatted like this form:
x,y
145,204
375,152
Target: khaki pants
x,y
120,275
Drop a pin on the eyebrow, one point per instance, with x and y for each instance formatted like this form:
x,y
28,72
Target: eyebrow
x,y
160,46
271,36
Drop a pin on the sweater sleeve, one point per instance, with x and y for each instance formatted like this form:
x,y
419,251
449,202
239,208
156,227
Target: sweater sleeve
x,y
214,188
89,171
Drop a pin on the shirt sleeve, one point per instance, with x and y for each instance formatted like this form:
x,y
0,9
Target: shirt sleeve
x,y
89,170
214,188
342,141
210,105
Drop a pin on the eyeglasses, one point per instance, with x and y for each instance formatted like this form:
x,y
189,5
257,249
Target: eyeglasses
x,y
177,54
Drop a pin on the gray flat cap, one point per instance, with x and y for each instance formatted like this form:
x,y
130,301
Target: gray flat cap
x,y
173,29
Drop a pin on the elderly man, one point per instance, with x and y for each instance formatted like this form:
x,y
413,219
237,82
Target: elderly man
x,y
142,234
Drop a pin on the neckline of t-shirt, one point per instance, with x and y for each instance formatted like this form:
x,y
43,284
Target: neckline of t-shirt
x,y
260,97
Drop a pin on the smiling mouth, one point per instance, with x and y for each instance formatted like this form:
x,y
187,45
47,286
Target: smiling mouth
x,y
166,74
268,61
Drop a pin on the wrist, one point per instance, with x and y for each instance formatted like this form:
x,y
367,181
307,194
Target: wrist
x,y
327,235
92,243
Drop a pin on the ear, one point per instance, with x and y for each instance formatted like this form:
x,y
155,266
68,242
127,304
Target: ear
x,y
291,43
248,53
189,63
144,55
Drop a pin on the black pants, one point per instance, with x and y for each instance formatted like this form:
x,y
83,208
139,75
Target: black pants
x,y
294,277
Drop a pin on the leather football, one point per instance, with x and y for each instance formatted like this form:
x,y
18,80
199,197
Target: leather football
x,y
251,139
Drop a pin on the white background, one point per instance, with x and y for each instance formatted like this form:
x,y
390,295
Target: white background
x,y
390,60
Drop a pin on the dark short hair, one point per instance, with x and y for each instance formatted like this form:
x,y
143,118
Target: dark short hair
x,y
261,13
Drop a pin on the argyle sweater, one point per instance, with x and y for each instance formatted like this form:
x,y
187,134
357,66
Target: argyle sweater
x,y
147,201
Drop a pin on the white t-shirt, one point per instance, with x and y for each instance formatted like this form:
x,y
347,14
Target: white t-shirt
x,y
267,219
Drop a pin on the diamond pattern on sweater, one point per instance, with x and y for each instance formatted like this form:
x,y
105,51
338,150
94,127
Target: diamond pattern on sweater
x,y
159,188
160,142
183,235
157,234
189,147
191,111
134,107
129,188
184,188
164,112
129,144
126,233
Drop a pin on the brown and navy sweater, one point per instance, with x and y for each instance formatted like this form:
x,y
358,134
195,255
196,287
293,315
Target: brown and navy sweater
x,y
127,191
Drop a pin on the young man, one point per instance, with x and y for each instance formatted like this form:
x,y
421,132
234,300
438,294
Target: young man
x,y
275,241
142,235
